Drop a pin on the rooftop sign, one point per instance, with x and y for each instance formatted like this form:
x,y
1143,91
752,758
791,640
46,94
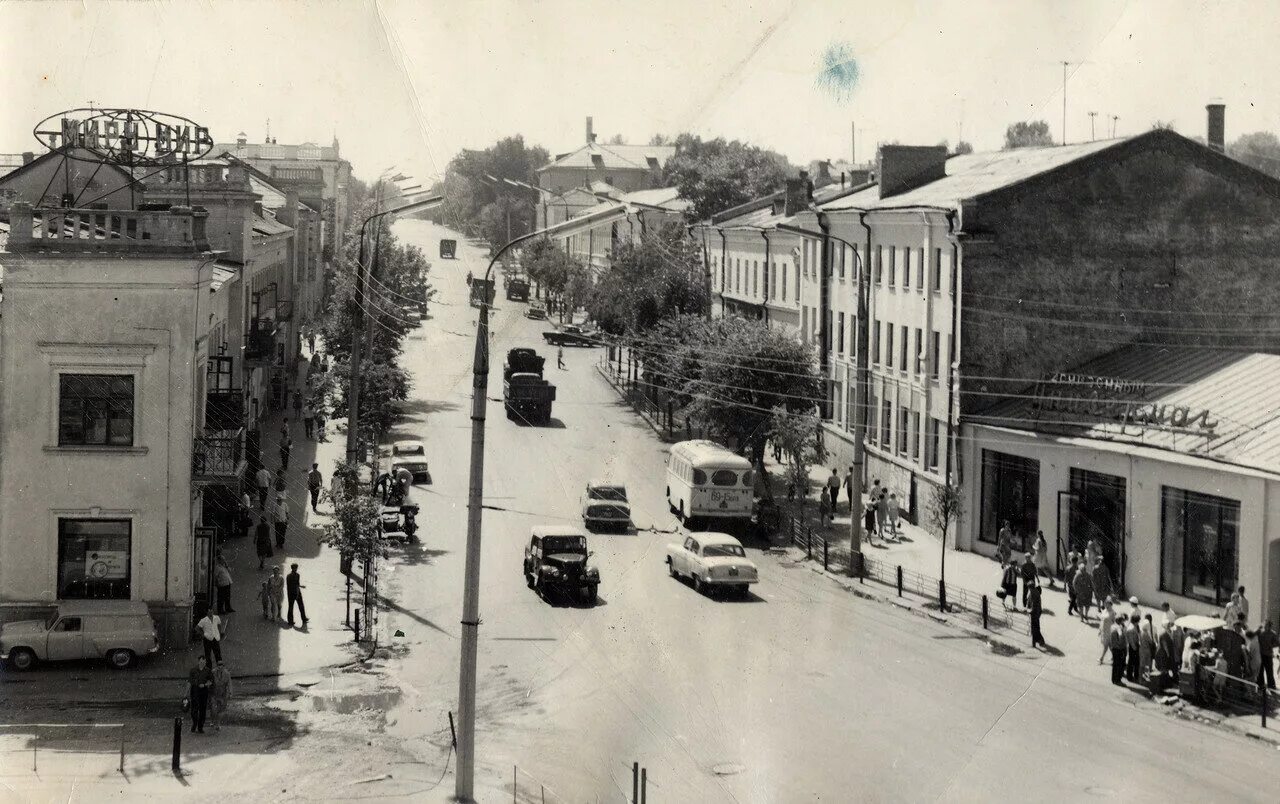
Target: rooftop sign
x,y
1075,397
126,136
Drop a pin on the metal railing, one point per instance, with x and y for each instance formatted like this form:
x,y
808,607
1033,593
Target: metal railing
x,y
218,456
74,739
259,342
1233,695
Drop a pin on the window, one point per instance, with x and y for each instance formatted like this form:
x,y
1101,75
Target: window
x,y
773,282
804,323
919,351
935,284
724,477
755,278
886,419
888,345
906,269
913,423
721,277
934,354
849,398
893,265
875,343
837,408
784,281
920,268
95,409
905,364
840,335
1010,492
879,264
784,293
827,342
872,409
737,274
1198,540
935,427
68,625
93,558
904,419
842,259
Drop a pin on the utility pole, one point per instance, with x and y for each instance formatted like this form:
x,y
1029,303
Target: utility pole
x,y
1064,102
1115,118
853,144
1092,135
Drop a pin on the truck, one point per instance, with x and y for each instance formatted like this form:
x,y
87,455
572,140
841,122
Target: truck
x,y
524,391
518,289
448,249
481,292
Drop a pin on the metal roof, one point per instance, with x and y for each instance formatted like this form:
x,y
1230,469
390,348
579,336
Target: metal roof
x,y
268,225
221,276
760,214
1239,390
612,157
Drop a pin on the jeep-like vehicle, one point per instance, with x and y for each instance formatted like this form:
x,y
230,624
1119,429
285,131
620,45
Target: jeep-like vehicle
x,y
556,558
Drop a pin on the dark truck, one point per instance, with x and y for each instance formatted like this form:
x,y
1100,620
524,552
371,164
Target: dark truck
x,y
448,249
481,292
518,289
524,392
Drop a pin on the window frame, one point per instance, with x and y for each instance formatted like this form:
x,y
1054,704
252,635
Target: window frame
x,y
1220,504
63,535
62,439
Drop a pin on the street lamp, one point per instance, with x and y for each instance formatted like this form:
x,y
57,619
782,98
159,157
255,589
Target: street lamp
x,y
475,495
357,334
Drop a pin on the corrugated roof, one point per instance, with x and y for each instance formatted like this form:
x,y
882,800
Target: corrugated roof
x,y
1239,390
613,157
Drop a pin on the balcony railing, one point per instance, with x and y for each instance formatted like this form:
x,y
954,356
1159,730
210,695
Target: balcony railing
x,y
284,310
260,342
218,457
294,174
177,229
199,177
224,410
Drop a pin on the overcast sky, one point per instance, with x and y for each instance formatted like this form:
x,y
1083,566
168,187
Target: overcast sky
x,y
409,82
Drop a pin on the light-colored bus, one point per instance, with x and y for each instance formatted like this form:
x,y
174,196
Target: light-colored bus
x,y
705,480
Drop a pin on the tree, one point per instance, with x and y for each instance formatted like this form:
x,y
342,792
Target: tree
x,y
962,147
477,204
659,139
616,139
1259,150
1027,135
795,436
353,529
714,175
657,277
945,507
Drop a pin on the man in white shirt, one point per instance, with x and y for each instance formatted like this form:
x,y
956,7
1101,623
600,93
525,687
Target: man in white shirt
x,y
1170,616
210,628
264,486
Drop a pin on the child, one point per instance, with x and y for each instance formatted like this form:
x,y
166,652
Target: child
x,y
264,594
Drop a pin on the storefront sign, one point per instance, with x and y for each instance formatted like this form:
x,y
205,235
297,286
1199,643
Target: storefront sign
x,y
106,565
1112,399
126,136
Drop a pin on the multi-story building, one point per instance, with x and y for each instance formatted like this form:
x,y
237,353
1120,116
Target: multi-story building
x,y
646,210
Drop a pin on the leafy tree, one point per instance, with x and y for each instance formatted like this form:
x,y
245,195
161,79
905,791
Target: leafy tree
x,y
1027,135
714,175
1259,150
945,506
476,203
353,529
616,139
962,147
659,139
795,435
659,276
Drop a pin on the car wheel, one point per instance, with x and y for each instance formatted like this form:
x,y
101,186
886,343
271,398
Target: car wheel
x,y
592,595
697,585
22,658
120,658
671,568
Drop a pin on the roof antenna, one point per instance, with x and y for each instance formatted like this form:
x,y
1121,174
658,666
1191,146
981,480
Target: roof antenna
x,y
268,129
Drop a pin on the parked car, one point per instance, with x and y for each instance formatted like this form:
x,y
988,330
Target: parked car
x,y
556,558
536,311
116,630
605,506
571,335
412,457
711,561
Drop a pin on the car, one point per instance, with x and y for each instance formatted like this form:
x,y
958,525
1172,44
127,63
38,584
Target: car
x,y
536,311
571,335
411,314
556,558
412,457
116,630
712,561
605,506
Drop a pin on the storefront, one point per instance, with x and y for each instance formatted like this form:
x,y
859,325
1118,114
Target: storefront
x,y
1182,496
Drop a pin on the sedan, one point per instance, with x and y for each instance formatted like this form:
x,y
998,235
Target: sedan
x,y
712,560
536,311
605,505
412,457
571,335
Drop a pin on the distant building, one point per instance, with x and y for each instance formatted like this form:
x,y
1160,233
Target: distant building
x,y
649,211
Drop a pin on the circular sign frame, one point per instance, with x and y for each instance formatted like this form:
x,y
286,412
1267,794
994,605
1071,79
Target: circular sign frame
x,y
134,137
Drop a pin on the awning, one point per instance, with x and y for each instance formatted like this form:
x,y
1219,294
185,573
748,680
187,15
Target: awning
x,y
221,276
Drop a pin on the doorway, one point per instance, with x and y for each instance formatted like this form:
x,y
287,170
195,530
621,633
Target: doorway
x,y
1097,511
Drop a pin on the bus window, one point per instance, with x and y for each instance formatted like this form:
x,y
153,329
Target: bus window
x,y
746,478
724,477
699,477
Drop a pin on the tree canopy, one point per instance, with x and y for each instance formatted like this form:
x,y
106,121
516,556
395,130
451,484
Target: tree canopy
x,y
1260,150
1027,134
659,276
714,175
478,204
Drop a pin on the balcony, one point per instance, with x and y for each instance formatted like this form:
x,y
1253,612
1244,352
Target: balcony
x,y
224,410
218,457
260,343
175,230
284,310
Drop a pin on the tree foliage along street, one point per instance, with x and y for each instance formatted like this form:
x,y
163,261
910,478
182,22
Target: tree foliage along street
x,y
733,373
647,281
1259,150
353,529
1024,134
795,436
478,205
558,274
714,175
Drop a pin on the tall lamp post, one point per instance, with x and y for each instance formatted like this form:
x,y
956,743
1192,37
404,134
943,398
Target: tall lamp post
x,y
357,334
465,780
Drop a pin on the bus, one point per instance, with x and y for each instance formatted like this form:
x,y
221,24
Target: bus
x,y
707,481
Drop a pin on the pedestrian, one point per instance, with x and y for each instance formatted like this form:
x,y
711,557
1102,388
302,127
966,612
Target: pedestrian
x,y
281,518
560,357
297,403
280,484
1170,617
824,506
1101,582
1231,612
264,594
262,541
1040,551
294,586
311,342
1082,585
284,429
894,511
264,485
210,628
869,522
1105,626
221,690
882,516
1164,659
1135,610
286,445
1009,586
874,494
309,420
833,484
1037,638
1133,641
320,424
1267,642
1114,638
1027,571
1068,579
199,681
1146,646
1244,603
275,584
222,580
1253,657
848,488
246,513
315,481
1004,543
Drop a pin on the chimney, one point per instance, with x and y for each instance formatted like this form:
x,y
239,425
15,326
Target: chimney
x,y
905,167
799,194
257,208
1217,126
288,214
591,135
28,157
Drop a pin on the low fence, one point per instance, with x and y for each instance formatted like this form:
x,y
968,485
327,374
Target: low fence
x,y
1232,696
52,742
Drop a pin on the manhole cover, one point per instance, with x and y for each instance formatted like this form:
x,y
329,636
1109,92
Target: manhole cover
x,y
727,768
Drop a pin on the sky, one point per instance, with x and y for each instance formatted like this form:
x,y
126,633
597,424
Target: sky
x,y
408,83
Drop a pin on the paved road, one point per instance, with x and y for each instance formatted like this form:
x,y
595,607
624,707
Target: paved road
x,y
801,693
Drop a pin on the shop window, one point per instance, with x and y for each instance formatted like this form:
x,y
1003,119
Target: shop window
x,y
94,558
95,409
1010,491
1199,536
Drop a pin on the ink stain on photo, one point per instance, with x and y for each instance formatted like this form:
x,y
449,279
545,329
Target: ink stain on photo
x,y
839,73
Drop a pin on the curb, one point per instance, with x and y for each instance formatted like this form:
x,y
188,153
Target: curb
x,y
657,430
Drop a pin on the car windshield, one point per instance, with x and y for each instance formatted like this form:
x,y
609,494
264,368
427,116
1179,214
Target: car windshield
x,y
606,510
564,544
723,550
410,449
615,493
53,618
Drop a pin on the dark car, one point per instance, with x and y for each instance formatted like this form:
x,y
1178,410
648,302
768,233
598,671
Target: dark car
x,y
557,558
571,335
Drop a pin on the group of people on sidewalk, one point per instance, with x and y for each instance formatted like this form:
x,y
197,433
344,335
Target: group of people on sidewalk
x,y
880,515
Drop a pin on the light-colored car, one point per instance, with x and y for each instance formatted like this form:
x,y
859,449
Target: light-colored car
x,y
116,630
712,561
536,311
412,457
605,505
